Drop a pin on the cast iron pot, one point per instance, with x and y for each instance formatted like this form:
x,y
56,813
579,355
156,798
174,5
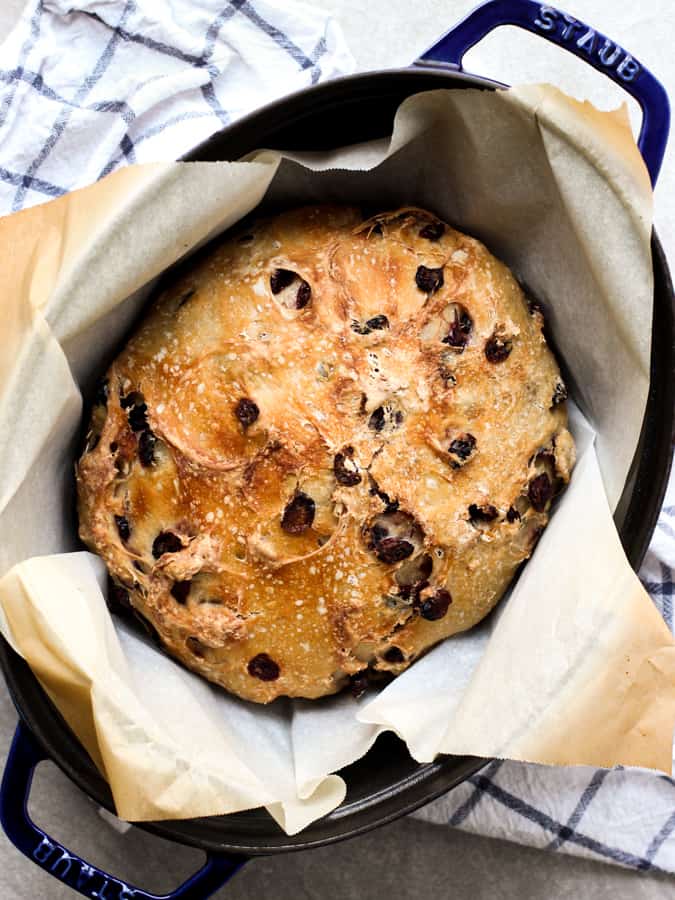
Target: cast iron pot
x,y
387,782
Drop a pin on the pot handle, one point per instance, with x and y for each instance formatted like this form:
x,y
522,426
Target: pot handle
x,y
571,34
24,755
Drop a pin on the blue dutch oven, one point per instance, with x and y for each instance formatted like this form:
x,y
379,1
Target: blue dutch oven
x,y
386,783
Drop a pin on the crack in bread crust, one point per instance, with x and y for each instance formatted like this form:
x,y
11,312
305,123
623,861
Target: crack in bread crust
x,y
328,446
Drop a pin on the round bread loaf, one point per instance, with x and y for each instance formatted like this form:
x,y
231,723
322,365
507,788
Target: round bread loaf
x,y
329,446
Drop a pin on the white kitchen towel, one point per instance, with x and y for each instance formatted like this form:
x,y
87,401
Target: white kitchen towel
x,y
89,85
86,87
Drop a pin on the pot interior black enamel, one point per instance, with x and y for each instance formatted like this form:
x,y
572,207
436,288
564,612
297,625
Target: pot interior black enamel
x,y
386,783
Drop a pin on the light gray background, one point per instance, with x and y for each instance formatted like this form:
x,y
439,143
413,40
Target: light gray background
x,y
407,859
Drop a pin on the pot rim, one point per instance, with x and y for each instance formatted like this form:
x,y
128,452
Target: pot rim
x,y
426,781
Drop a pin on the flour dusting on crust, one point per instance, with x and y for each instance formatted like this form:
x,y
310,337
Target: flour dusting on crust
x,y
329,446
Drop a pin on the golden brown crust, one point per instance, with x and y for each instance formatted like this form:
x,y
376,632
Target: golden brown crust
x,y
329,446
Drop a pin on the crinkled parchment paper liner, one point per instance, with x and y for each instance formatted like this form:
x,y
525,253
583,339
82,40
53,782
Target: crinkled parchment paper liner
x,y
575,667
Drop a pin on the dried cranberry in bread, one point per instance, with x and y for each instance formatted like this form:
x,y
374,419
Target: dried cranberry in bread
x,y
329,446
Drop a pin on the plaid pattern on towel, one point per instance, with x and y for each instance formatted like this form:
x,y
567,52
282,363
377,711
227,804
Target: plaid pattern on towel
x,y
86,87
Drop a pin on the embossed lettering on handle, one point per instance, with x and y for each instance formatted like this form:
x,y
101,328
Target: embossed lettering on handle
x,y
598,47
67,867
577,37
76,873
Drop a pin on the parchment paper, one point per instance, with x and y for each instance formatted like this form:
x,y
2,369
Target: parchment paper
x,y
575,667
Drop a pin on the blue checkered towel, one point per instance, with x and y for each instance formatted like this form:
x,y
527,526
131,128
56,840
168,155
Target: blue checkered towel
x,y
90,86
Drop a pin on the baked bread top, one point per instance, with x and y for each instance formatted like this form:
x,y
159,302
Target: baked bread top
x,y
328,446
